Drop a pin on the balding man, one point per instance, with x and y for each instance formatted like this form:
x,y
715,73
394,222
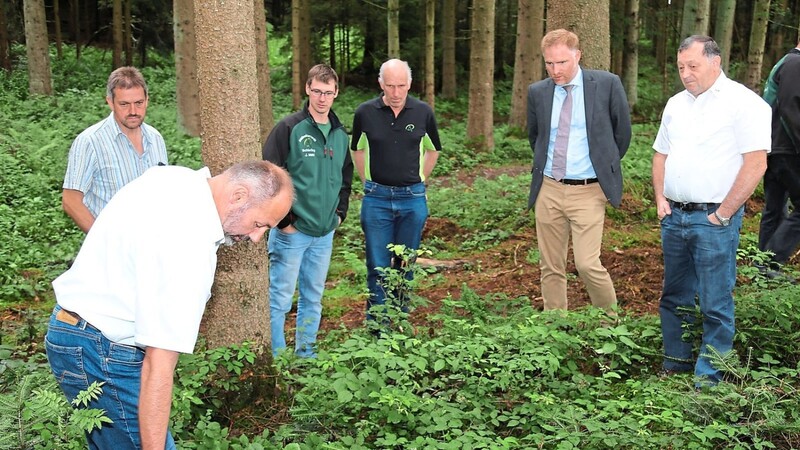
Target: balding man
x,y
133,299
395,147
710,154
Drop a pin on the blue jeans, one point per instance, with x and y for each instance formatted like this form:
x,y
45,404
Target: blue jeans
x,y
780,230
390,215
297,260
699,261
80,355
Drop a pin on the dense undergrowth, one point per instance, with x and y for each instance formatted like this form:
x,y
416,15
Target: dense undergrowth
x,y
488,372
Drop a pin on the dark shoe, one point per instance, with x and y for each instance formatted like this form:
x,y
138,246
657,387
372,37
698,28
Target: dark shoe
x,y
772,271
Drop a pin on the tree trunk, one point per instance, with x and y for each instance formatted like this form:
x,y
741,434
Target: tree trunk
x,y
127,30
527,58
723,30
36,45
332,45
778,30
660,38
265,118
186,88
695,17
370,42
118,35
57,27
301,53
238,310
758,36
617,34
630,66
5,56
393,29
449,49
480,120
430,36
589,19
75,24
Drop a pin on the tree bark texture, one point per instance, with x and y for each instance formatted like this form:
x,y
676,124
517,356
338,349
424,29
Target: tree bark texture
x,y
430,36
617,34
75,24
695,17
37,48
449,49
758,36
527,58
127,30
118,34
723,29
265,117
393,29
630,60
5,56
589,19
188,101
57,28
480,119
301,49
226,71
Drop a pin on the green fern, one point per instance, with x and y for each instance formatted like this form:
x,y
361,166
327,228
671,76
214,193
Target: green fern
x,y
37,415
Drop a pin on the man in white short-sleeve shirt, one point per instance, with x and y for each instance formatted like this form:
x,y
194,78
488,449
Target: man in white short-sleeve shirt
x,y
711,152
134,297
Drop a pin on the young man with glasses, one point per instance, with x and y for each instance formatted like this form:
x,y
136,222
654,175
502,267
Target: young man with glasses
x,y
311,145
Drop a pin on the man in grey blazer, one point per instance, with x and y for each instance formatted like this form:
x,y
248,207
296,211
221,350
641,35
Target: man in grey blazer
x,y
579,128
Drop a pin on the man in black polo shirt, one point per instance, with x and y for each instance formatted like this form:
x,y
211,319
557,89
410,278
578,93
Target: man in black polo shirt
x,y
395,147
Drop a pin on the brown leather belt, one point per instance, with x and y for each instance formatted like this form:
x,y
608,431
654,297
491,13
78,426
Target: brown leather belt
x,y
72,318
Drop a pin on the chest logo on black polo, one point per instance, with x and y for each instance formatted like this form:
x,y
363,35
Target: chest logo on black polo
x,y
307,145
410,127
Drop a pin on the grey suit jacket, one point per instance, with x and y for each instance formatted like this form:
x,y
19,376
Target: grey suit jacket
x,y
608,129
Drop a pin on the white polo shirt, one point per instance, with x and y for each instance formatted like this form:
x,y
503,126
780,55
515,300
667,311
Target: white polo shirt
x,y
704,138
144,272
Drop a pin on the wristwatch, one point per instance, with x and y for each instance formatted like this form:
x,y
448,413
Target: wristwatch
x,y
724,221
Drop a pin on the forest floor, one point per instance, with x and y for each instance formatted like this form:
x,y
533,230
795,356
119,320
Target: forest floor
x,y
503,269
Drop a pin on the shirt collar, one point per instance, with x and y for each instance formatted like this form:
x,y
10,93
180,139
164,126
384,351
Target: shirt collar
x,y
215,225
577,80
379,104
118,130
718,87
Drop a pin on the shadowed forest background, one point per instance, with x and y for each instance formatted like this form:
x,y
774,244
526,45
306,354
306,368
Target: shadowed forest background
x,y
477,363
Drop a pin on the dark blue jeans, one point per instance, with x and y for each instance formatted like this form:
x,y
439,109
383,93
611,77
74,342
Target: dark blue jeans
x,y
80,355
389,215
779,231
699,262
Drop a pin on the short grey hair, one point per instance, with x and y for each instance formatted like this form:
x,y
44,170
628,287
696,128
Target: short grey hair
x,y
710,47
393,62
127,77
264,180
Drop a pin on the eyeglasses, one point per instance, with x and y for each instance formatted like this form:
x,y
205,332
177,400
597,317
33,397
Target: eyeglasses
x,y
318,93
